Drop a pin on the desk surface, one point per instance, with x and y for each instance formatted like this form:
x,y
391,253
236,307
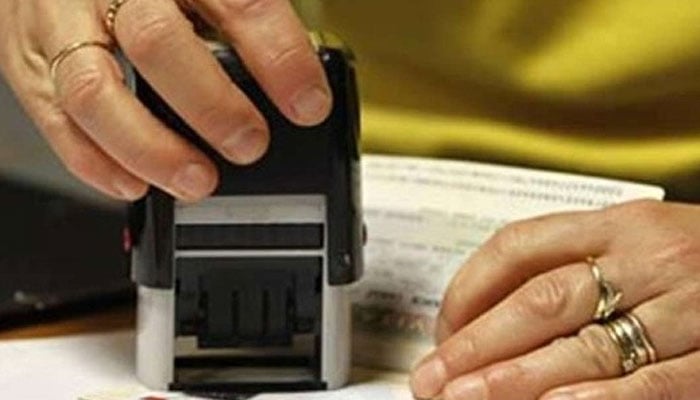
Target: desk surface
x,y
105,321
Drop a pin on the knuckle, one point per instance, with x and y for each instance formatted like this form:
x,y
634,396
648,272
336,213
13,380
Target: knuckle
x,y
82,87
147,33
53,123
545,297
680,249
246,8
657,384
214,121
645,210
285,55
457,351
509,239
594,346
502,377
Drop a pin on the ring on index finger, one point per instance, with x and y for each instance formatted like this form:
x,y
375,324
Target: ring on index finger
x,y
72,48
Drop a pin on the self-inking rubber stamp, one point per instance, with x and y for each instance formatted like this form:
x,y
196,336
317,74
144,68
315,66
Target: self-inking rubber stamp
x,y
245,292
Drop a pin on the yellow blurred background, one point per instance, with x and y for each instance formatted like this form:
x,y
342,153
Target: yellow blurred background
x,y
606,87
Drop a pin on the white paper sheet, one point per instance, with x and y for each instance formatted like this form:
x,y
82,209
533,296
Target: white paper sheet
x,y
424,218
101,367
377,390
65,368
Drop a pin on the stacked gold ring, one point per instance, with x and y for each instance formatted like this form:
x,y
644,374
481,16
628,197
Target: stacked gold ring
x,y
625,330
635,348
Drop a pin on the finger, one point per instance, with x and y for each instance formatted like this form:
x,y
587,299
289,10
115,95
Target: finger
x,y
277,50
87,161
161,43
676,379
591,355
90,89
515,254
551,305
93,95
81,156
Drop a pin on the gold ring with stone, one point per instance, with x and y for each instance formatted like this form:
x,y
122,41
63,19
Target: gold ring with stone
x,y
609,297
71,49
633,343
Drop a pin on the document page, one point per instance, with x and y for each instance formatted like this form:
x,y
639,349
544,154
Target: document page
x,y
378,390
424,218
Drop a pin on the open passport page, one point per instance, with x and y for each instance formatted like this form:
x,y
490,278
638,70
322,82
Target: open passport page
x,y
424,218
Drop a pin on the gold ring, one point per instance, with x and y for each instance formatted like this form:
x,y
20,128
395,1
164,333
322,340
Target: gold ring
x,y
110,19
72,48
633,343
644,340
609,296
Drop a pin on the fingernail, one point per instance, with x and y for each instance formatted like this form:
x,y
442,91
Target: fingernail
x,y
429,379
245,146
127,190
193,181
472,388
311,105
